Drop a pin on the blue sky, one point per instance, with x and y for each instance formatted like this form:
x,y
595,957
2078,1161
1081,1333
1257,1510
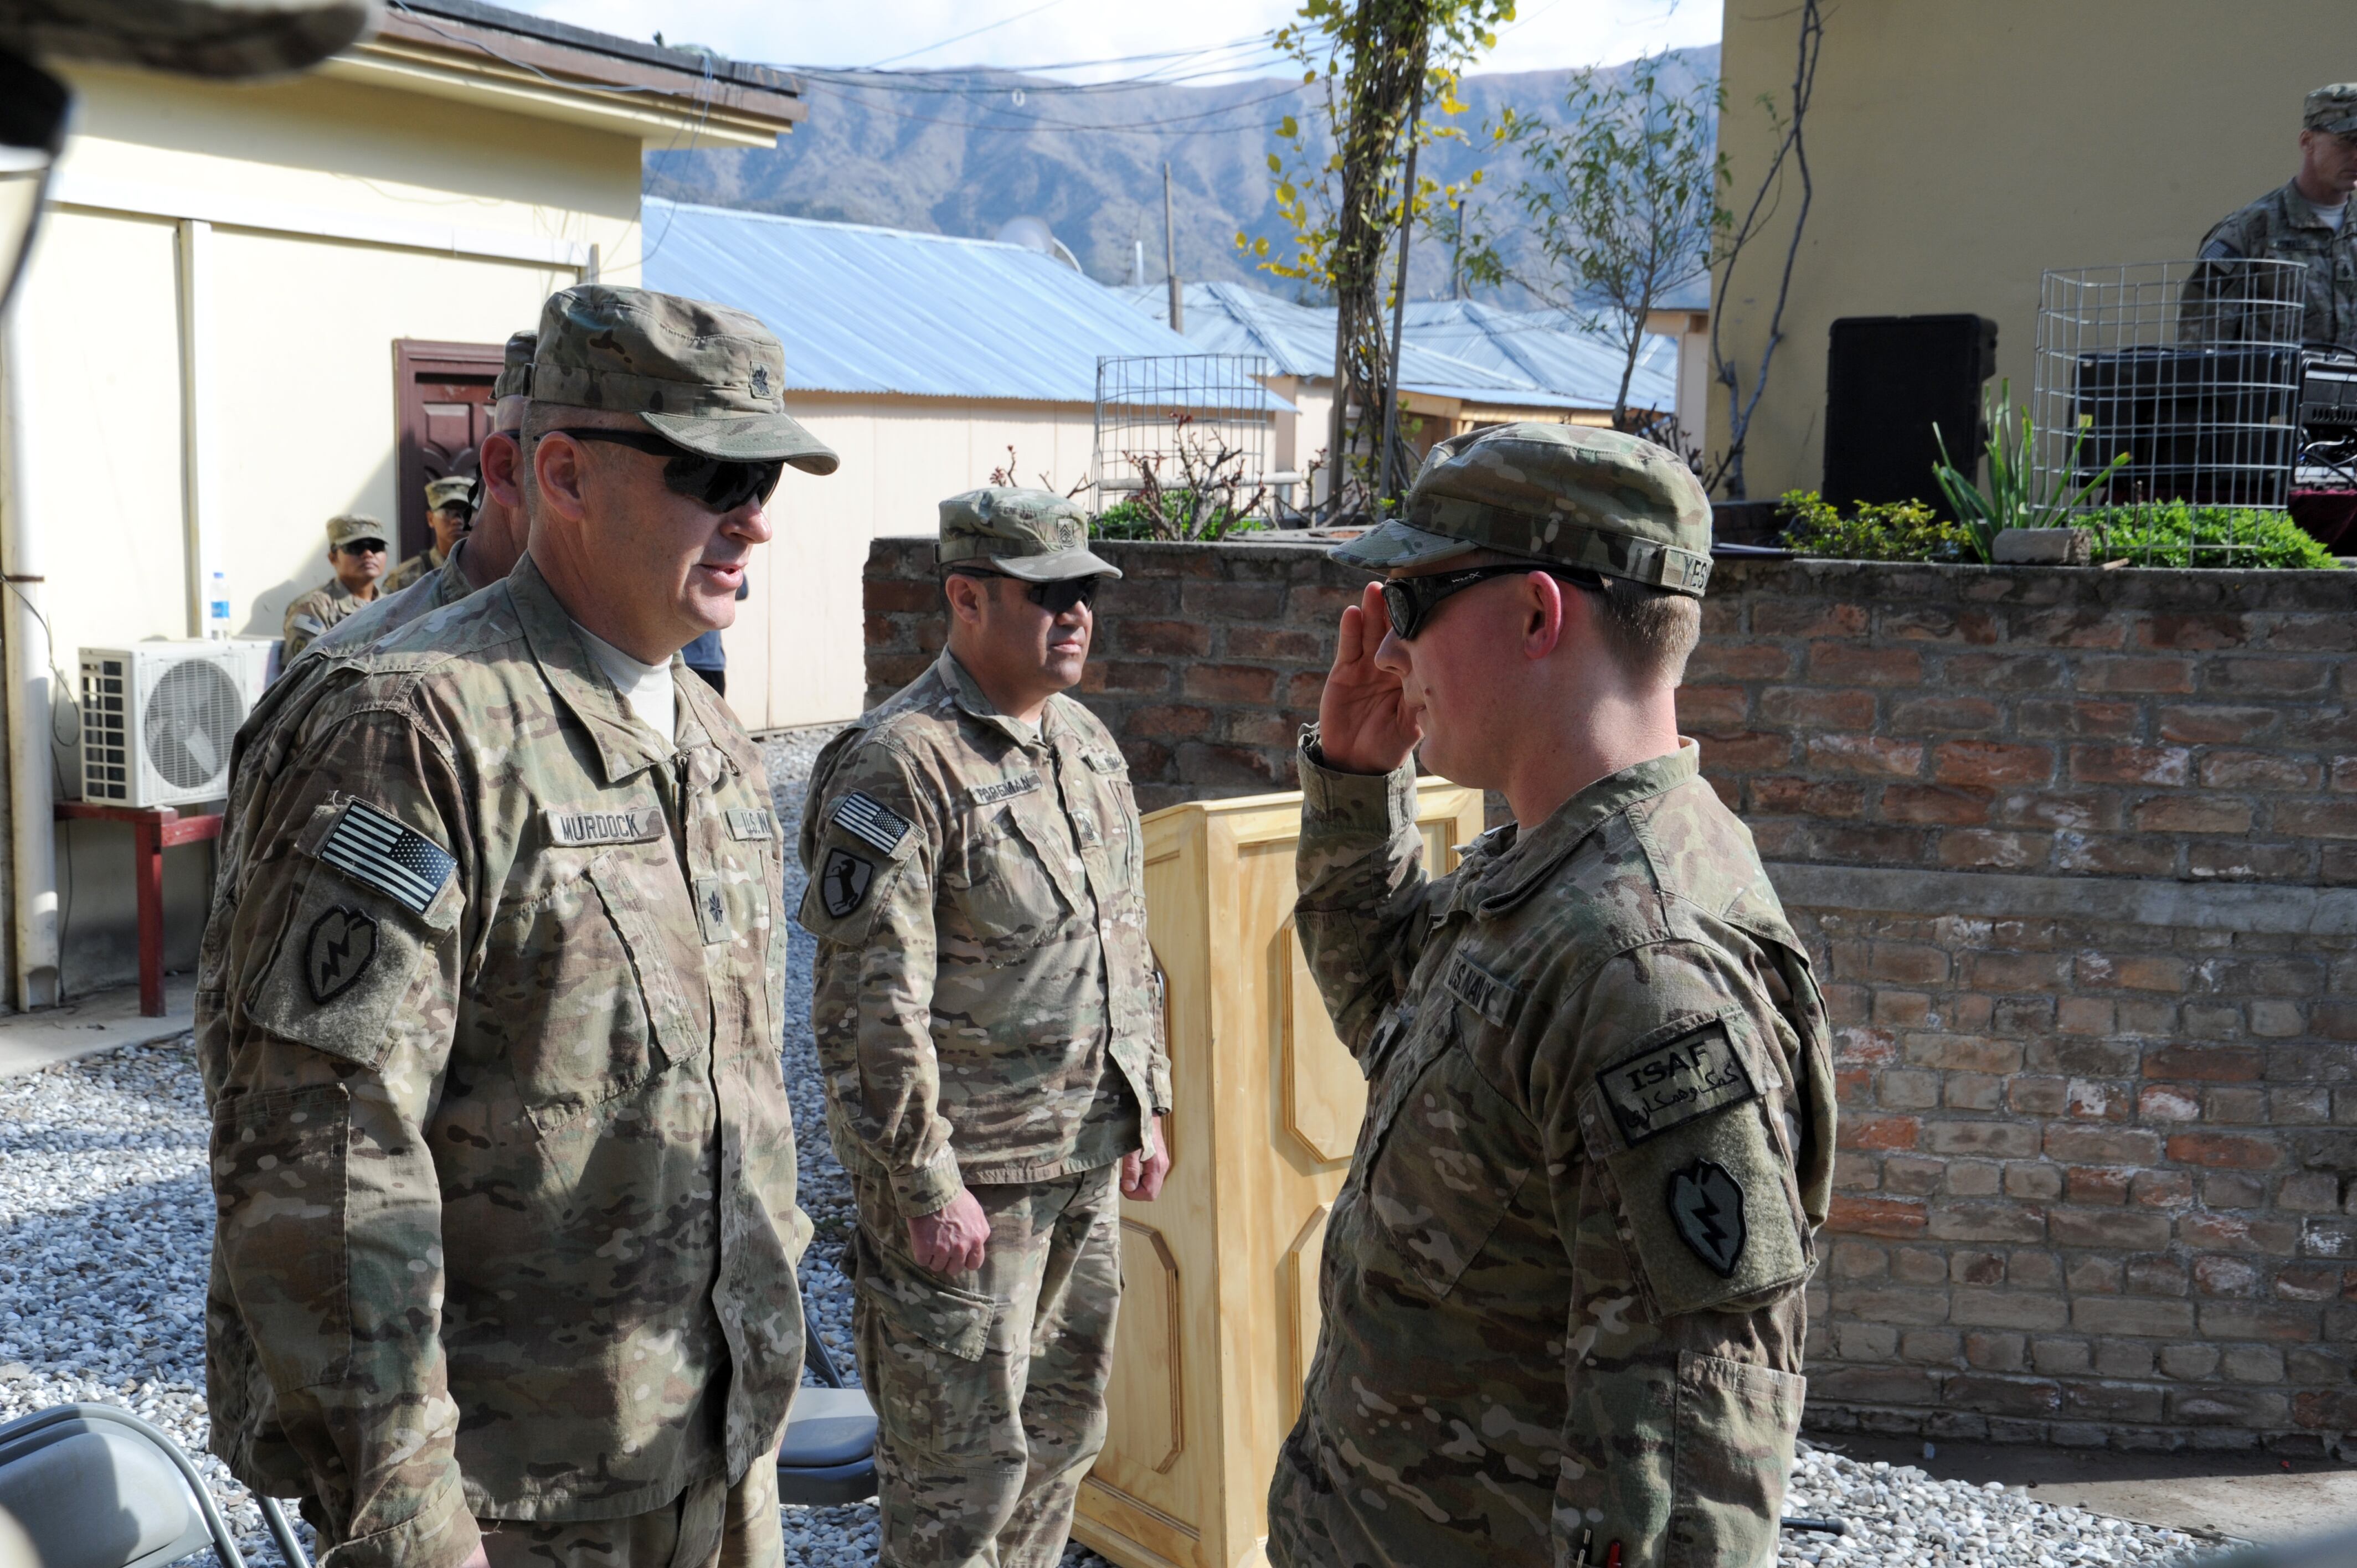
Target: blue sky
x,y
1219,40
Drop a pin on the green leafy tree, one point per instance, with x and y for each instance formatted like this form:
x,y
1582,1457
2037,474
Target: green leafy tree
x,y
1622,198
1346,186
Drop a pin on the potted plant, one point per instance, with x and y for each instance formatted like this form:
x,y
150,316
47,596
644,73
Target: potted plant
x,y
2006,524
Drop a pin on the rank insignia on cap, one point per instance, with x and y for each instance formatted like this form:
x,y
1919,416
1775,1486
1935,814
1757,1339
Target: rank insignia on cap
x,y
372,848
872,823
1706,1206
760,381
843,882
341,946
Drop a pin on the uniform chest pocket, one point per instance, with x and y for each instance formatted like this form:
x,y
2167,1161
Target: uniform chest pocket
x,y
606,986
1449,1167
1005,884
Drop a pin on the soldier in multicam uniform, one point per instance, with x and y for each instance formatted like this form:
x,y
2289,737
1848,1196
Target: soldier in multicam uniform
x,y
986,1021
449,508
1562,1284
356,550
487,1015
2306,220
493,543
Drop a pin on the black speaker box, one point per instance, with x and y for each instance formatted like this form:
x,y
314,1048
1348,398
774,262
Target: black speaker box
x,y
1888,379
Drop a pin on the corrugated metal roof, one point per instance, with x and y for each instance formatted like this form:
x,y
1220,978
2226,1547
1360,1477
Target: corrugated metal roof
x,y
883,310
1454,348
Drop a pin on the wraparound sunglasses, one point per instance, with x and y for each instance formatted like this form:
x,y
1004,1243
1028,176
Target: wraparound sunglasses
x,y
1411,600
1054,597
723,484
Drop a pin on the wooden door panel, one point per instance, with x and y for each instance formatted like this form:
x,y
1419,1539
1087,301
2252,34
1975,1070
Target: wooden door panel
x,y
442,400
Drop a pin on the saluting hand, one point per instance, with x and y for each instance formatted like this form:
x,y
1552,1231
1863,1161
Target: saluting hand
x,y
1365,725
950,1240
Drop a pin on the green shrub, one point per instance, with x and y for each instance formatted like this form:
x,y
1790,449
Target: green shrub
x,y
1180,516
1891,531
2175,533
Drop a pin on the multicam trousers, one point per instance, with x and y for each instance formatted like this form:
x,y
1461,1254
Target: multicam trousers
x,y
712,1525
989,1386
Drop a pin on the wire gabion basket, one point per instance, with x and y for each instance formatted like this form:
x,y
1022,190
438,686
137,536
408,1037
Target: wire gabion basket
x,y
2190,369
1152,410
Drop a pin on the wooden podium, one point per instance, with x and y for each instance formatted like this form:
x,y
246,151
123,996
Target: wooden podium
x,y
1219,1312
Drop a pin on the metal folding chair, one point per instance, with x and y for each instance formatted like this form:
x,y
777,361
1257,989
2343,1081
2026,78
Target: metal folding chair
x,y
90,1486
828,1455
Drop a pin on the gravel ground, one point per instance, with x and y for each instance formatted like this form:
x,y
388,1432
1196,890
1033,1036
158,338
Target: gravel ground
x,y
105,1224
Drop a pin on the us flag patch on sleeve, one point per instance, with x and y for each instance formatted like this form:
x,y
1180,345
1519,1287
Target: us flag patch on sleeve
x,y
374,849
871,822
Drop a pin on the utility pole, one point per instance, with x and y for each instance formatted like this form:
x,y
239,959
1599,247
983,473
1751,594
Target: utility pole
x,y
1399,291
1171,259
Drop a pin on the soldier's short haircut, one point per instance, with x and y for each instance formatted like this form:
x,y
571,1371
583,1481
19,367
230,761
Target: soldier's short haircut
x,y
1651,631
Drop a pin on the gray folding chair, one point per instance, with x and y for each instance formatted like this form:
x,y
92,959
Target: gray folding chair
x,y
828,1456
89,1486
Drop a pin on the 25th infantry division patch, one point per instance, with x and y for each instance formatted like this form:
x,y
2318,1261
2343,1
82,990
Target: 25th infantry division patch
x,y
1707,1207
341,946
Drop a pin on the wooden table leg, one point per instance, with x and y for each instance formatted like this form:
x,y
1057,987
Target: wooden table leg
x,y
148,856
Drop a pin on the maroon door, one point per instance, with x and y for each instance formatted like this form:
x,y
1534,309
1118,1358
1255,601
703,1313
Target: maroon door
x,y
444,393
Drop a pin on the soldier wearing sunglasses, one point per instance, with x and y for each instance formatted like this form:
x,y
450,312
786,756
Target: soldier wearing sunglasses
x,y
1562,1295
987,1020
494,981
356,550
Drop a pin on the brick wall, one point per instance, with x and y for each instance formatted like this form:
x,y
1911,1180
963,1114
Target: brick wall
x,y
2076,854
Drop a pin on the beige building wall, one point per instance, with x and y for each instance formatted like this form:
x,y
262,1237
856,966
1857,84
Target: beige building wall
x,y
796,655
1959,150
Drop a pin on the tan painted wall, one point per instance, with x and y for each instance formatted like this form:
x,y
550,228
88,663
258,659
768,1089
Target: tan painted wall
x,y
795,655
1959,150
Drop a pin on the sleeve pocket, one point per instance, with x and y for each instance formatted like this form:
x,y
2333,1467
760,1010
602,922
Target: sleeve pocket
x,y
345,962
279,1164
1737,1423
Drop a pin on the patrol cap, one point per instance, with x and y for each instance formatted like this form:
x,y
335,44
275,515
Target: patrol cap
x,y
352,527
451,489
191,37
1037,535
706,376
2332,110
1601,499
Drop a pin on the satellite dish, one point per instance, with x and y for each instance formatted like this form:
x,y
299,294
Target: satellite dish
x,y
1033,235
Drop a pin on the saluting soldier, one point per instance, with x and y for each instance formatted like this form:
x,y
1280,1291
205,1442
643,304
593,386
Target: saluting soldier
x,y
449,508
356,550
488,1011
1563,1281
987,1022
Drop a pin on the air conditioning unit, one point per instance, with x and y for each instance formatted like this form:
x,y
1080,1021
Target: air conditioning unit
x,y
250,658
158,720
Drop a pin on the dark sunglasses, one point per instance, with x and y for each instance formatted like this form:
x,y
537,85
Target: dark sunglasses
x,y
1056,597
1412,600
720,483
364,547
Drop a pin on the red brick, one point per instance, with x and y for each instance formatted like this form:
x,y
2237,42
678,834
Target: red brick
x,y
2155,675
1126,675
2223,1149
2080,720
1949,715
1167,719
2100,1146
1906,963
888,595
2313,633
2130,971
1942,803
1744,752
2270,677
1884,1133
1232,601
2194,814
2216,725
2198,633
1987,762
1272,643
2106,856
1176,638
1850,663
2077,626
1738,660
1303,690
2335,821
1703,710
1809,708
2161,1190
2206,1063
1932,624
2259,770
1786,795
1807,618
1229,682
1970,849
1866,754
1317,603
2167,1102
2130,764
1877,1216
2002,672
2240,860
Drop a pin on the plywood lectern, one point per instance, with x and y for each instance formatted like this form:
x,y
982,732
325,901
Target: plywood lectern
x,y
1219,1312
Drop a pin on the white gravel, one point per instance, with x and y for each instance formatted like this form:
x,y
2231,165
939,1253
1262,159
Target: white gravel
x,y
105,1229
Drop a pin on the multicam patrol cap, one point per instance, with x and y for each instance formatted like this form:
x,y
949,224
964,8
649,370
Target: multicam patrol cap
x,y
709,378
1036,535
512,391
352,527
2332,110
451,489
1598,498
192,37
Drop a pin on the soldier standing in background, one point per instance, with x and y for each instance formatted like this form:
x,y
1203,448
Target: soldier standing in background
x,y
488,1013
987,1023
2306,220
449,508
1563,1281
356,550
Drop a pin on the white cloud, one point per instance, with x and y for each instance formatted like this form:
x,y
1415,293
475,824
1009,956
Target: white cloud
x,y
1023,33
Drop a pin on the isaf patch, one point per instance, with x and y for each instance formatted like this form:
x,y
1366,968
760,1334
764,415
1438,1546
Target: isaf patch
x,y
844,881
374,849
338,951
871,822
1706,1208
1676,1082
